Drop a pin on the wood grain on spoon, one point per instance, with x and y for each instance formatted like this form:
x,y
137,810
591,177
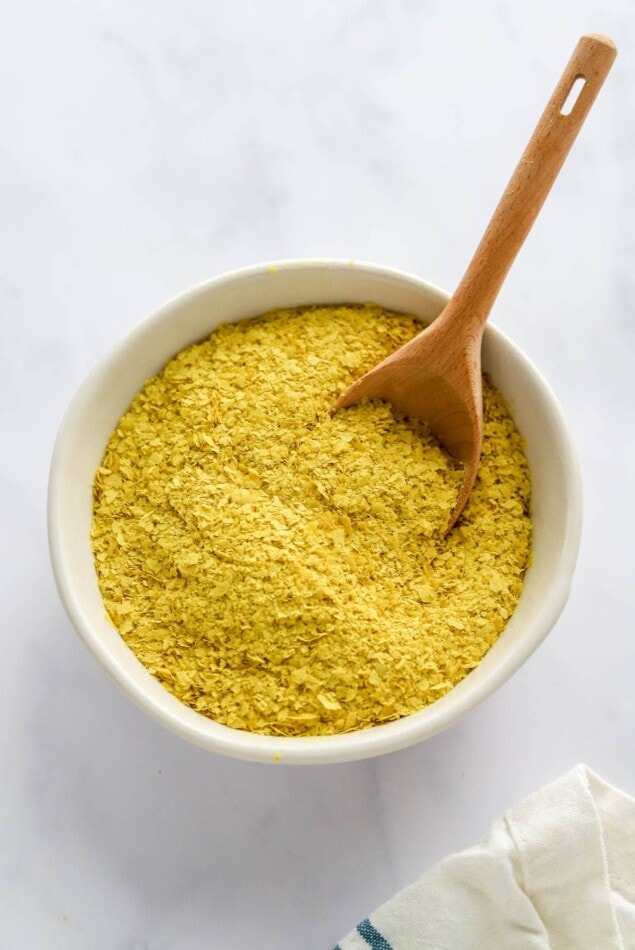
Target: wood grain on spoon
x,y
436,377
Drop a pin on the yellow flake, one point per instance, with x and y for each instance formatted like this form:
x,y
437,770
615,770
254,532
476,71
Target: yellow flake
x,y
328,702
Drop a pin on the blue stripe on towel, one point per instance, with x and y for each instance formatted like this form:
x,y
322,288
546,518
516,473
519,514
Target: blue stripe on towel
x,y
372,937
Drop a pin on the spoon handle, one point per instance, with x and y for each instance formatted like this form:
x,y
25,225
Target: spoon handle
x,y
532,180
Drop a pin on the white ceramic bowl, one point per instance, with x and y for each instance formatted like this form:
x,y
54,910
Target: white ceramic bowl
x,y
110,387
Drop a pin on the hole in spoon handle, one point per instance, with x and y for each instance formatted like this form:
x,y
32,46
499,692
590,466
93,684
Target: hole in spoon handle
x,y
573,95
583,76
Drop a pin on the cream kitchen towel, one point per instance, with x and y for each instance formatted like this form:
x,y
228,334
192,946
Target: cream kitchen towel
x,y
557,872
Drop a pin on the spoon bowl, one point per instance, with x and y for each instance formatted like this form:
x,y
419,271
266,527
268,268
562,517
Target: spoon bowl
x,y
436,378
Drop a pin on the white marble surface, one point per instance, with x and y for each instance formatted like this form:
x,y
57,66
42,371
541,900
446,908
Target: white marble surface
x,y
146,146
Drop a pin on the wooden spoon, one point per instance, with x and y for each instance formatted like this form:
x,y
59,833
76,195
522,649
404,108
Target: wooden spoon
x,y
436,377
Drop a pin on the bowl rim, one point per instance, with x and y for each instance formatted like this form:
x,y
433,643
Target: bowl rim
x,y
366,743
